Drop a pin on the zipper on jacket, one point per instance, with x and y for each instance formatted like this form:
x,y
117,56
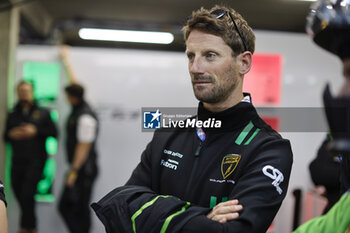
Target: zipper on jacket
x,y
198,150
195,165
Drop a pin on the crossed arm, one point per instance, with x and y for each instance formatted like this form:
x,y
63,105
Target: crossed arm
x,y
3,218
26,130
254,201
225,211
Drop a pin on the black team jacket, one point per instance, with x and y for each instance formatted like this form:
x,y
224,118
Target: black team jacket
x,y
244,159
139,209
90,166
30,150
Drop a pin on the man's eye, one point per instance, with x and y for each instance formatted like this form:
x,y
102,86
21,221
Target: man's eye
x,y
210,55
190,56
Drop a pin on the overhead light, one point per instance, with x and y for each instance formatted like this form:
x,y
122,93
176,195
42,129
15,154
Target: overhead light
x,y
307,0
126,36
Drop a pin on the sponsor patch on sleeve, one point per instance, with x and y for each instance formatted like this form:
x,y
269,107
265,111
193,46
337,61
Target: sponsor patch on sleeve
x,y
275,175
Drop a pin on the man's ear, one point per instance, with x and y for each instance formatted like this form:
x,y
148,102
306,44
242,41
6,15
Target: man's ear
x,y
245,59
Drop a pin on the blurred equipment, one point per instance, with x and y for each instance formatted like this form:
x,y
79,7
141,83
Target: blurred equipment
x,y
329,25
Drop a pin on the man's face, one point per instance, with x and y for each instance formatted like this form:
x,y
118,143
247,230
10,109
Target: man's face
x,y
71,99
25,93
345,88
213,69
346,68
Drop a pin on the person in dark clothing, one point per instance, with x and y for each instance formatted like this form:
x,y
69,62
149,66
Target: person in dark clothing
x,y
240,167
330,180
333,179
334,37
327,161
27,128
329,26
3,216
82,127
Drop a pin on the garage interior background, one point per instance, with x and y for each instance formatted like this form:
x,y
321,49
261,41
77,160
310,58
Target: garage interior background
x,y
121,78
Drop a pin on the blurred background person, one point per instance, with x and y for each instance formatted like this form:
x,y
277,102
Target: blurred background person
x,y
81,133
336,220
3,216
329,25
81,136
27,128
327,183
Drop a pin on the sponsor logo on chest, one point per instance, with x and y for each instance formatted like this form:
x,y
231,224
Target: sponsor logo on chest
x,y
228,166
36,115
172,162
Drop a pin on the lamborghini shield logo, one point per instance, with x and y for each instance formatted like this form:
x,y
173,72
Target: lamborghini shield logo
x,y
36,115
229,164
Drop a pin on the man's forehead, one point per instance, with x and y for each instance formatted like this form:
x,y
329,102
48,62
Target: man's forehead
x,y
25,85
203,34
204,39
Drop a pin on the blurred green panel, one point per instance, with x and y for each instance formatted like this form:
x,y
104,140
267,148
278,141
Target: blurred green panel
x,y
54,115
44,192
45,77
51,145
44,198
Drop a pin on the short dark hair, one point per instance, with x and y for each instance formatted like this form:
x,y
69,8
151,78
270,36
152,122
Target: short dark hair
x,y
75,90
203,20
23,82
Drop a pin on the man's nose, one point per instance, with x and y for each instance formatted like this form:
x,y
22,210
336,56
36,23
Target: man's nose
x,y
196,66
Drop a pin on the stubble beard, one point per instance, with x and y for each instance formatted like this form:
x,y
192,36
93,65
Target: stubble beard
x,y
25,102
217,93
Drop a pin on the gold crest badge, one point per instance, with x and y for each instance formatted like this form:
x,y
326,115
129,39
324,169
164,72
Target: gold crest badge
x,y
36,114
229,164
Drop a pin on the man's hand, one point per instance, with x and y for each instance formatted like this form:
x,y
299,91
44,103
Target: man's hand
x,y
24,131
29,130
71,178
16,133
225,211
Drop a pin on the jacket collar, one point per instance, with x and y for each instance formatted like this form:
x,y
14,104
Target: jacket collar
x,y
82,104
18,107
231,118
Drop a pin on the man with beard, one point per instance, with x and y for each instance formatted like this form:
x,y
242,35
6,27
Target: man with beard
x,y
27,128
238,171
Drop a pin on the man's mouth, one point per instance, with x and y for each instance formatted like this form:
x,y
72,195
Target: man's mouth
x,y
201,83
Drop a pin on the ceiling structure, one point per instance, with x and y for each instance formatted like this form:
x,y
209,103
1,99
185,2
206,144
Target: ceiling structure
x,y
55,22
